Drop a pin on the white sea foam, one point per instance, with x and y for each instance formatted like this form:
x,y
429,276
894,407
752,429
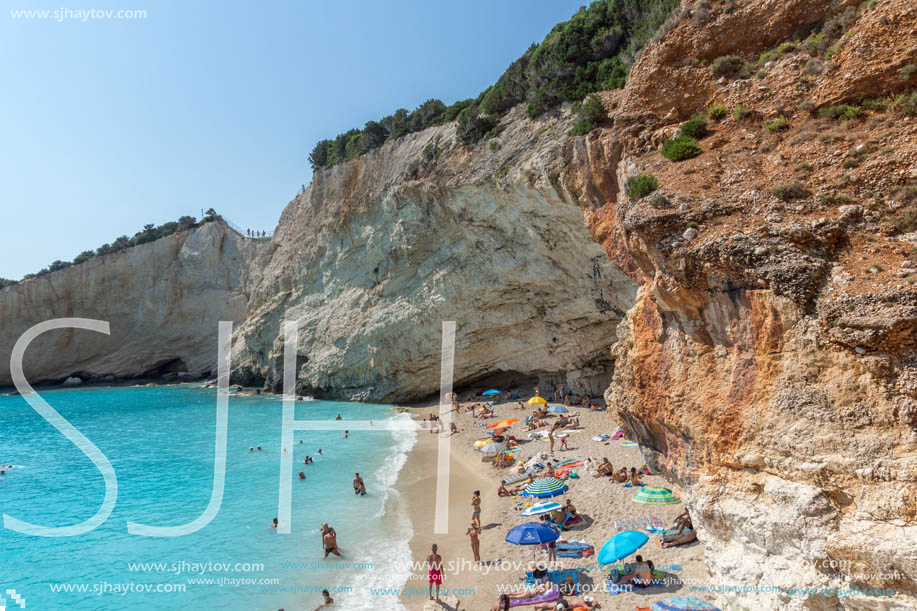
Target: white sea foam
x,y
387,551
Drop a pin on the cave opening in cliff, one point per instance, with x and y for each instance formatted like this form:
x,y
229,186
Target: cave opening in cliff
x,y
165,367
501,380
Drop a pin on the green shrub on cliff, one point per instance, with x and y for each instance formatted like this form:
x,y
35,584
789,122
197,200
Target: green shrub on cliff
x,y
730,66
6,282
590,114
641,186
149,233
694,128
680,148
590,52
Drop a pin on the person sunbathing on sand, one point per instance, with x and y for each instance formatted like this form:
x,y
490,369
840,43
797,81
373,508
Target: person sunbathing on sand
x,y
531,591
549,470
642,576
504,491
678,539
574,603
502,603
605,468
621,475
683,521
570,508
634,478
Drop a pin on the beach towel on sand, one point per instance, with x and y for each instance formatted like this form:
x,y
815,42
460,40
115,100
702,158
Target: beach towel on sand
x,y
618,434
547,597
518,478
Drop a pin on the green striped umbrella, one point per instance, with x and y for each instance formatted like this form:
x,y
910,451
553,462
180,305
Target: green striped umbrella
x,y
545,488
655,495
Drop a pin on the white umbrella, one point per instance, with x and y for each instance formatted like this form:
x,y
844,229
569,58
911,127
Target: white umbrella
x,y
544,507
493,448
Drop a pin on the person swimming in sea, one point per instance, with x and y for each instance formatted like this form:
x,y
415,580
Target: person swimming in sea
x,y
346,434
274,524
251,449
339,417
302,475
259,449
319,452
327,601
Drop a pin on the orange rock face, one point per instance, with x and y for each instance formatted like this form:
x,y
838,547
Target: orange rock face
x,y
769,365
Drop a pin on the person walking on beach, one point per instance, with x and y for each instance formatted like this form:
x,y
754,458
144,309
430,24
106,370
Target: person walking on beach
x,y
476,503
473,533
435,573
551,439
329,540
358,486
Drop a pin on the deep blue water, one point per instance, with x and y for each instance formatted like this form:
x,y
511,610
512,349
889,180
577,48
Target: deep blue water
x,y
160,441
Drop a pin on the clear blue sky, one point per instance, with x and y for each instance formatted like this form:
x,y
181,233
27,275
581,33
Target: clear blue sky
x,y
110,124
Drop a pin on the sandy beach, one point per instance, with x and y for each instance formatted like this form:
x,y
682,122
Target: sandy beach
x,y
602,501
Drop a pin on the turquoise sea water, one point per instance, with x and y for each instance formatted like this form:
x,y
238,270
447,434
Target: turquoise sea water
x,y
160,441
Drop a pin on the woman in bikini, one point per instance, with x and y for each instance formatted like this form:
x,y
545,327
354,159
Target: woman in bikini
x,y
473,533
476,514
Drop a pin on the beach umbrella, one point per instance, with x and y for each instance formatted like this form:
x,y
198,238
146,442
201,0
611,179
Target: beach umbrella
x,y
544,507
545,488
536,401
683,603
532,533
491,392
558,409
655,495
503,423
621,546
630,444
480,443
493,448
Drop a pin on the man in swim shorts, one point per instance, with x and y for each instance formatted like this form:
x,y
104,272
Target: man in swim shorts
x,y
435,574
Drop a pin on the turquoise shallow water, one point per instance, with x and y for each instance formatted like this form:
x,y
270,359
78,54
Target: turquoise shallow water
x,y
160,441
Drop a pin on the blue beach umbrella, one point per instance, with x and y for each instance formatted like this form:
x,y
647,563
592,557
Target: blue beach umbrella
x,y
532,533
545,488
621,546
558,409
491,392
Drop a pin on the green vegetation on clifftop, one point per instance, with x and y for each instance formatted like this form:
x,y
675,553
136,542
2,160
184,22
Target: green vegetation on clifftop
x,y
591,52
